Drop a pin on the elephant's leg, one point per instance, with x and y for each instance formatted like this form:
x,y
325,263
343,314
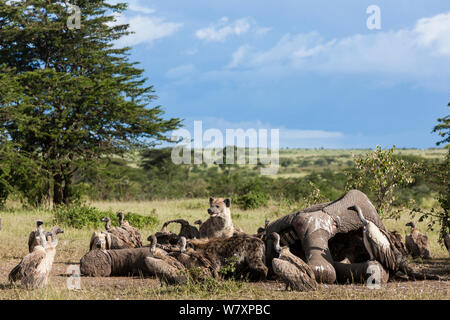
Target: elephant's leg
x,y
314,229
361,272
319,257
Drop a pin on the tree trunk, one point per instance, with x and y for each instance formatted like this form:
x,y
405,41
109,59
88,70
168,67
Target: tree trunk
x,y
58,192
67,191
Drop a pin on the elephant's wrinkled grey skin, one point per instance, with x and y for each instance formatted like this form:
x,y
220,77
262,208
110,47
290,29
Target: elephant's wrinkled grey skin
x,y
360,272
119,262
311,232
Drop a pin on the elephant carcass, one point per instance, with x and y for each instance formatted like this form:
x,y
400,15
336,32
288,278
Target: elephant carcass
x,y
120,262
327,233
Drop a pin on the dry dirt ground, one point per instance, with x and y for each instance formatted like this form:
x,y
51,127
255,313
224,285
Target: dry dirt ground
x,y
147,288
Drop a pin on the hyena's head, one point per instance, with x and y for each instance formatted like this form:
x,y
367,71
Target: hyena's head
x,y
219,208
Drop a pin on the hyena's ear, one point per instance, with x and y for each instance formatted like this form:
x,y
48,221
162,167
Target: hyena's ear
x,y
211,200
227,202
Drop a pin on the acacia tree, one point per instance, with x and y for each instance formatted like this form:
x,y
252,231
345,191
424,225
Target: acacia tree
x,y
380,173
441,176
71,96
439,216
158,163
443,129
225,164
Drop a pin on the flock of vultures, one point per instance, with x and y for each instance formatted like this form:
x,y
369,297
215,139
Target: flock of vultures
x,y
301,249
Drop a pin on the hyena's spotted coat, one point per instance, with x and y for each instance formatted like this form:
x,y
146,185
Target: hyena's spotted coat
x,y
248,252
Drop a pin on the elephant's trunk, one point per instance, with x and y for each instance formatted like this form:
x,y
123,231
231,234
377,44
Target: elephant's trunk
x,y
314,231
319,257
361,272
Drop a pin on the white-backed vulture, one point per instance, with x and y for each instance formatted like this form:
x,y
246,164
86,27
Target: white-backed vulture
x,y
187,230
167,268
165,236
107,222
107,240
162,254
261,232
417,243
34,269
135,236
100,240
294,272
120,238
261,229
378,243
54,233
397,239
447,242
34,238
200,266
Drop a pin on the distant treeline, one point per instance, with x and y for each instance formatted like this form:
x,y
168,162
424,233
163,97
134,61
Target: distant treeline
x,y
154,176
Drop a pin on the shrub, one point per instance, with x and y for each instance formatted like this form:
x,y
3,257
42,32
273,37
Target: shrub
x,y
252,195
286,162
315,196
252,200
381,173
80,216
229,267
439,216
320,162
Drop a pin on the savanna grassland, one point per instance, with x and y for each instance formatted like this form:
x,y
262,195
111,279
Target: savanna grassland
x,y
18,221
74,243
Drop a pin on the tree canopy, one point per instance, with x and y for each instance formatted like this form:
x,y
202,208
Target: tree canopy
x,y
71,96
443,129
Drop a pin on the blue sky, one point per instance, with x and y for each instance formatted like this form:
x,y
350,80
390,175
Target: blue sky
x,y
309,68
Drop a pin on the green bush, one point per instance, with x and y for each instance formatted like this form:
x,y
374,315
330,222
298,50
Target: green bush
x,y
286,162
252,194
252,200
80,216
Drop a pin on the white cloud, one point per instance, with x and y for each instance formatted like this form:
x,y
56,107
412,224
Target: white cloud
x,y
181,71
435,31
260,31
223,29
421,52
239,55
306,138
146,27
311,138
137,6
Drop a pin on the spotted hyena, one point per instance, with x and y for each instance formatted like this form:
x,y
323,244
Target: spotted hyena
x,y
244,252
219,224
